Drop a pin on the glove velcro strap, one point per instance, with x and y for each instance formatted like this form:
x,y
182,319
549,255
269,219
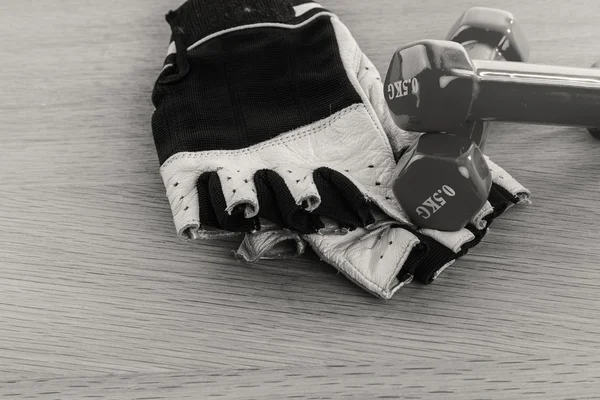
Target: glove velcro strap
x,y
425,264
428,264
500,199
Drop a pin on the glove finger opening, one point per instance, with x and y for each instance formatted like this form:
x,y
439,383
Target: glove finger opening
x,y
270,244
238,189
214,210
207,213
300,183
278,205
341,200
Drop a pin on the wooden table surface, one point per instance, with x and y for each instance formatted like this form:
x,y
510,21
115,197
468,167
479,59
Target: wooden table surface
x,y
99,299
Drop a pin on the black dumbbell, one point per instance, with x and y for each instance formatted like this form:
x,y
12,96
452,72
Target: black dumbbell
x,y
453,90
462,179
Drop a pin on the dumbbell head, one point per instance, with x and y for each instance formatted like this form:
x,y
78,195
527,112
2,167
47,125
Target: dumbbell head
x,y
495,28
427,78
488,34
440,180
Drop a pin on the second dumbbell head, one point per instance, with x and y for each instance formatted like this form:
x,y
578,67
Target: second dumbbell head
x,y
496,29
595,132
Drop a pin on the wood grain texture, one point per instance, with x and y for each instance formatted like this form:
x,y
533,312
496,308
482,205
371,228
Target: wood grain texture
x,y
573,377
99,299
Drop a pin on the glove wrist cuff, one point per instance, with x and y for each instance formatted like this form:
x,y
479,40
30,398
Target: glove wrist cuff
x,y
197,19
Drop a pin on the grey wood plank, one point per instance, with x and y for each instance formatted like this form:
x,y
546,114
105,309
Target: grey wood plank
x,y
573,377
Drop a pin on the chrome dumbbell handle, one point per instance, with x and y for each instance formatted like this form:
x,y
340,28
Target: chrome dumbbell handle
x,y
478,131
536,94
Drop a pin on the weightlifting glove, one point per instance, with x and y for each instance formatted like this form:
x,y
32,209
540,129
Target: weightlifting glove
x,y
268,111
260,115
